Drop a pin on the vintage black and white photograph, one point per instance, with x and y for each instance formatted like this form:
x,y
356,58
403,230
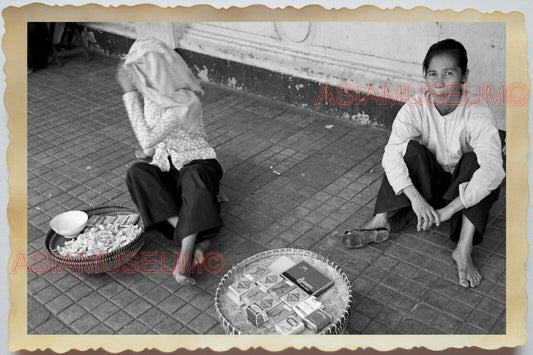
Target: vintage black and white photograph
x,y
266,178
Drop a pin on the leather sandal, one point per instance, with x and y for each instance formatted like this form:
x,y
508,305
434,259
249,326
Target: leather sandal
x,y
358,238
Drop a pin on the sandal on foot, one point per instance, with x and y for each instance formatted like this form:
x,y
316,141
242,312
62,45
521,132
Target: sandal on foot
x,y
358,238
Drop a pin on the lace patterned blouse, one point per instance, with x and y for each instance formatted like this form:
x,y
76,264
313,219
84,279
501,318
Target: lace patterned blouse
x,y
160,129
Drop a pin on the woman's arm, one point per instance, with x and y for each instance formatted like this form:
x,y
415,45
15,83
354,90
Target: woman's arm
x,y
170,119
404,128
485,141
407,126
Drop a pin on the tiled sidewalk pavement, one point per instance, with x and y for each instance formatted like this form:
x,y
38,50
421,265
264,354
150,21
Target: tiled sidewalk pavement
x,y
290,182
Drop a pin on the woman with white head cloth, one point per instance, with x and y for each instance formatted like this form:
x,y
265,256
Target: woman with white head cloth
x,y
180,184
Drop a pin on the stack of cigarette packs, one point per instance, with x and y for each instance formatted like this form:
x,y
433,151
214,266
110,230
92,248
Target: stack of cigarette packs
x,y
272,300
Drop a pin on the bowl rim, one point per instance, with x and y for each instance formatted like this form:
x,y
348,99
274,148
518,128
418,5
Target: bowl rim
x,y
57,229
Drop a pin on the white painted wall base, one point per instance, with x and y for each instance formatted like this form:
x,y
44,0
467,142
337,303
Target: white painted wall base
x,y
356,54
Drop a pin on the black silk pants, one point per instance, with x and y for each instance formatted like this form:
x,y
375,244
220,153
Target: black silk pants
x,y
189,193
438,188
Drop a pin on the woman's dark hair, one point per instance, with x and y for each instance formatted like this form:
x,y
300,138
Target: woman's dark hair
x,y
450,46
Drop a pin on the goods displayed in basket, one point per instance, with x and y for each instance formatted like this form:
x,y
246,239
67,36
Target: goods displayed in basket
x,y
269,280
256,315
237,289
253,295
282,288
290,325
279,313
308,278
307,306
317,320
270,299
295,296
268,302
256,272
103,234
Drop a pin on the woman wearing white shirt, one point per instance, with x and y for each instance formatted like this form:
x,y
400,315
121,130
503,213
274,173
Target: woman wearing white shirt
x,y
442,162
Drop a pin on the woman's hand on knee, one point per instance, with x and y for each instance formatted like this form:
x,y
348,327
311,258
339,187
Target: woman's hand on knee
x,y
425,213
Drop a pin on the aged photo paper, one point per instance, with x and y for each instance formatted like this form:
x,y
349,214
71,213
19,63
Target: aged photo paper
x,y
298,104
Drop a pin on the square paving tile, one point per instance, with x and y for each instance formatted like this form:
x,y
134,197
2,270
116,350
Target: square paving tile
x,y
105,310
51,326
186,314
58,304
38,317
85,324
168,326
71,314
357,323
137,307
153,317
171,304
101,329
91,301
202,323
47,294
118,320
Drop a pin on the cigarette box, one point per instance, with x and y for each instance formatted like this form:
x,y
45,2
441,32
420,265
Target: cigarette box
x,y
269,280
290,325
279,313
282,288
238,288
268,302
256,315
294,296
308,278
256,271
254,294
307,306
317,320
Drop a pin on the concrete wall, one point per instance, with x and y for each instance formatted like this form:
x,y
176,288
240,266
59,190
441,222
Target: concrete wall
x,y
356,55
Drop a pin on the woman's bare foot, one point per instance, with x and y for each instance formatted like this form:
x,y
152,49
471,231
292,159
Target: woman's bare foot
x,y
199,252
184,279
380,220
469,276
181,273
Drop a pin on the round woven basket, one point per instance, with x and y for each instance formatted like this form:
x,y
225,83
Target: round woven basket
x,y
109,262
337,326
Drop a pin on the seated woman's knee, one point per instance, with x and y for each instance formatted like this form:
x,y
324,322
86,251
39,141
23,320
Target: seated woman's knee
x,y
136,170
414,149
469,158
194,174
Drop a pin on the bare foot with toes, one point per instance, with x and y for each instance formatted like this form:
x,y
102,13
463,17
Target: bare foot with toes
x,y
199,252
469,276
182,274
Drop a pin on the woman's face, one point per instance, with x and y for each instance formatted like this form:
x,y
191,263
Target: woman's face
x,y
444,79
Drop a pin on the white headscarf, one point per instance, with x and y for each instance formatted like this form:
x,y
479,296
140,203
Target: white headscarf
x,y
163,77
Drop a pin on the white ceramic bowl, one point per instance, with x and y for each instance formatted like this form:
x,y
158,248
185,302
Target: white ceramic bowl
x,y
70,223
